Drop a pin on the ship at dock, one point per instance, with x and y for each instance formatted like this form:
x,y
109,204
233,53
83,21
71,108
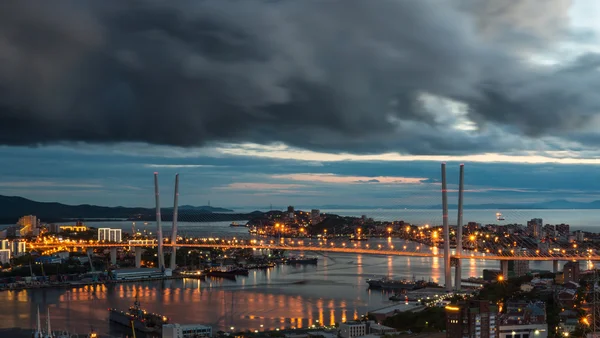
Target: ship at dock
x,y
140,319
388,283
301,260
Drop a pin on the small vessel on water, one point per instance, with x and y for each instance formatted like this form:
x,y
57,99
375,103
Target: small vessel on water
x,y
499,217
358,238
227,272
302,260
139,318
236,224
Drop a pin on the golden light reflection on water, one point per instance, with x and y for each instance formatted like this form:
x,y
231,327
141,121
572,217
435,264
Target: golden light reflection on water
x,y
270,298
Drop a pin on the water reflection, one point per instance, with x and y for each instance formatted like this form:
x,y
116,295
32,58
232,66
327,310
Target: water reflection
x,y
333,290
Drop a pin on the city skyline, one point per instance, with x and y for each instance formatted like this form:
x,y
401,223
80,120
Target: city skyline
x,y
252,116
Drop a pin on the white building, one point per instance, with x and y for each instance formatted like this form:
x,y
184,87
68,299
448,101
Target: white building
x,y
109,235
103,234
186,331
353,329
114,235
520,331
4,256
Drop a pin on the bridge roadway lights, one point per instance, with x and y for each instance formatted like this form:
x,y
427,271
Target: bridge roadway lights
x,y
555,266
138,257
113,256
504,269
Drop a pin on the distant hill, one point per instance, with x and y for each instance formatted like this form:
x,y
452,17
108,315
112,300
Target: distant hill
x,y
13,207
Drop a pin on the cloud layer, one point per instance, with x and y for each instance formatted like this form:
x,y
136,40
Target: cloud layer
x,y
421,77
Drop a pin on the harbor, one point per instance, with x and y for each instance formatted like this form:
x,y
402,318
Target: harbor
x,y
283,297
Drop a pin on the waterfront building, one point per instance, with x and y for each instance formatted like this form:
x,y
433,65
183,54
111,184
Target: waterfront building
x,y
571,272
474,318
4,256
186,331
139,273
109,235
353,329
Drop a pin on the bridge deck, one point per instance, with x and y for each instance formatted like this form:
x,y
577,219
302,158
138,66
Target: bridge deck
x,y
323,248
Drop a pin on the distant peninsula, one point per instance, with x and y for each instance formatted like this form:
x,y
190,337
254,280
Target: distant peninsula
x,y
553,204
13,207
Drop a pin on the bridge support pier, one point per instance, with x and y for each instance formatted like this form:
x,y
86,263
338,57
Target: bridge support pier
x,y
459,228
113,256
138,257
555,266
504,269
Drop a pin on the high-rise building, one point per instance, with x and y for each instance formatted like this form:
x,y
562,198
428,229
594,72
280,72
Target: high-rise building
x,y
103,234
518,268
114,235
290,212
562,229
534,227
475,318
315,216
549,230
4,256
27,224
571,272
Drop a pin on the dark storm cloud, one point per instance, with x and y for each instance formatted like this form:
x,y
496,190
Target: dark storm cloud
x,y
326,75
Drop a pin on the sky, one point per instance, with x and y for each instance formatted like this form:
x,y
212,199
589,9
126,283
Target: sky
x,y
308,103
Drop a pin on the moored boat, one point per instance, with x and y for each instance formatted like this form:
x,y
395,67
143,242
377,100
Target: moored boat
x,y
302,260
140,319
